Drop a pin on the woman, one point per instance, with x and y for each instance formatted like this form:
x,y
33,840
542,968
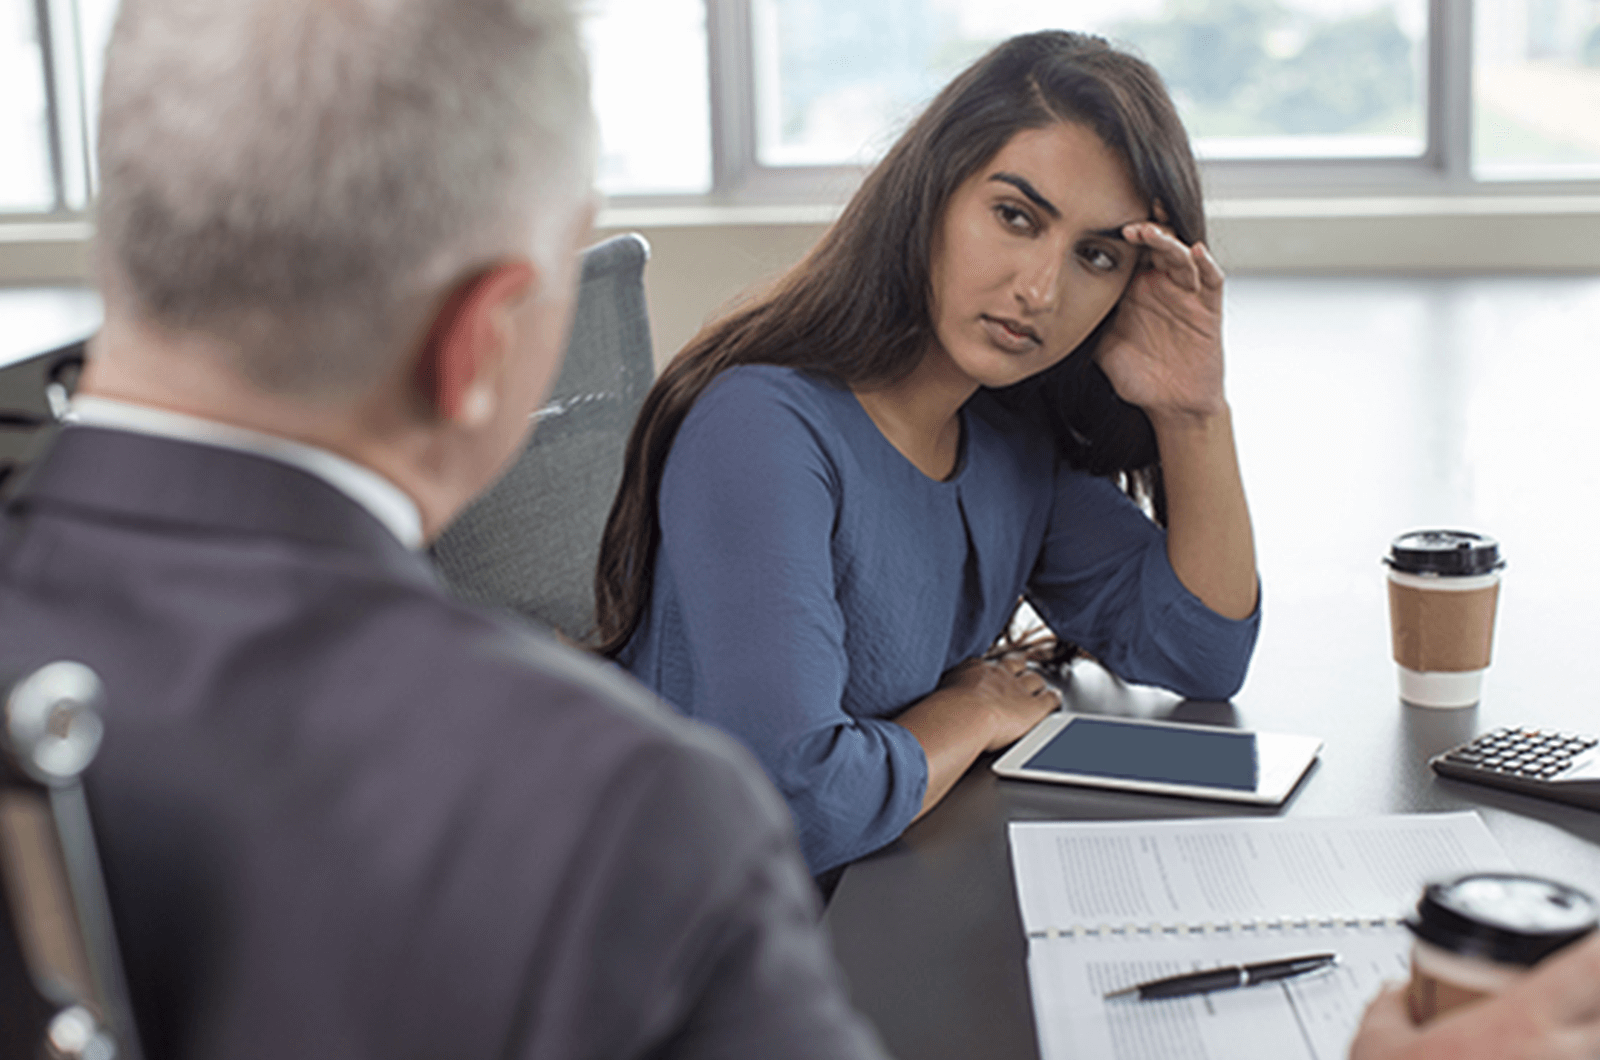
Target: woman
x,y
834,497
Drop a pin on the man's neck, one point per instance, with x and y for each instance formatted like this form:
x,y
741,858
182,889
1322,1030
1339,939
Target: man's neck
x,y
383,500
187,376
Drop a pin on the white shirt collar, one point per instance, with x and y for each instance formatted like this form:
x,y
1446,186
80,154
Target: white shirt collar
x,y
387,502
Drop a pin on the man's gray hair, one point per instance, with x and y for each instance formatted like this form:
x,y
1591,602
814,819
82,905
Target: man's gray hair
x,y
299,177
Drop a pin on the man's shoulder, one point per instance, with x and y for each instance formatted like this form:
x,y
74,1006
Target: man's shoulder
x,y
535,698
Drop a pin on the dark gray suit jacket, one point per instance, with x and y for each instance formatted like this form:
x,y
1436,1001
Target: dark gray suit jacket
x,y
343,815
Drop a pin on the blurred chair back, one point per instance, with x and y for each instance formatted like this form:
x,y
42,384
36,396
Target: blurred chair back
x,y
34,392
61,984
531,542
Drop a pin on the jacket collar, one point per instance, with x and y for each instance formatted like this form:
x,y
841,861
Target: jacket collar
x,y
156,481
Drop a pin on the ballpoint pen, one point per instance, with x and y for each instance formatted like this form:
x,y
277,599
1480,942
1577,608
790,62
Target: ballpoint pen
x,y
1229,977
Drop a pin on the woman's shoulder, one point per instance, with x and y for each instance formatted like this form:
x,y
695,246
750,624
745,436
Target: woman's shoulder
x,y
759,425
775,383
769,397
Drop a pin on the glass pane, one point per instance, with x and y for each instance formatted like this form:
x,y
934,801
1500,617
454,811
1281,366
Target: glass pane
x,y
651,96
1536,89
25,183
836,79
655,142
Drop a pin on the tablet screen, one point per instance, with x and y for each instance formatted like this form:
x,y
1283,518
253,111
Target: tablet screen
x,y
1203,758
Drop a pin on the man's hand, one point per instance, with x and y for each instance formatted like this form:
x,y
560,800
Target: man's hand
x,y
1552,1013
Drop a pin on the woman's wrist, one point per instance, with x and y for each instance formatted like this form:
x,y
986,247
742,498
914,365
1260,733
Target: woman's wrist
x,y
1180,421
950,719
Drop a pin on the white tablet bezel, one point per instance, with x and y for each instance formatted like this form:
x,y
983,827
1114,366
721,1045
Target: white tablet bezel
x,y
1283,759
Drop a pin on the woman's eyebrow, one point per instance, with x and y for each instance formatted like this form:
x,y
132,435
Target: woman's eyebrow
x,y
1023,185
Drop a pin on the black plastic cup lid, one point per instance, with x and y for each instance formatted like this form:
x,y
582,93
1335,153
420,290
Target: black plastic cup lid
x,y
1502,917
1451,552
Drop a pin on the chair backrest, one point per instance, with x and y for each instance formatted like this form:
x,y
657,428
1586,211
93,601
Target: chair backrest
x,y
531,542
33,395
61,983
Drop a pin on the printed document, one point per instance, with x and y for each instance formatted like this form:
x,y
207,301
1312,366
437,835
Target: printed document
x,y
1108,905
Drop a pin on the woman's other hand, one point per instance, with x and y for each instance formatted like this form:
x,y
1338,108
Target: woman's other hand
x,y
1164,350
1013,695
980,705
1552,1013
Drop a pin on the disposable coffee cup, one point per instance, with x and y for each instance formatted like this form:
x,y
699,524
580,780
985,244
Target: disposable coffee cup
x,y
1477,934
1444,586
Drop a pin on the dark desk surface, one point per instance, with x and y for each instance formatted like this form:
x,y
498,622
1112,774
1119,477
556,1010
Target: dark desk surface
x,y
1403,403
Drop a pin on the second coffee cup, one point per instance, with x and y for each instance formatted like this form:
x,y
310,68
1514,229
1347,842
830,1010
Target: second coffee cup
x,y
1444,586
1477,934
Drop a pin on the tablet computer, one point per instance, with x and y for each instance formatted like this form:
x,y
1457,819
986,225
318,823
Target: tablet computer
x,y
1161,757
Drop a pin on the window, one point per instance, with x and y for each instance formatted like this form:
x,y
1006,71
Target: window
x,y
648,64
771,100
1252,78
26,184
1536,85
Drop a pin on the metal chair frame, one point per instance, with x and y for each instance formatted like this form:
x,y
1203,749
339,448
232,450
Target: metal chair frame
x,y
58,918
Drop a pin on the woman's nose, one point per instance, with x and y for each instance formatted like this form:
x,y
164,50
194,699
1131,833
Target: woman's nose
x,y
1039,281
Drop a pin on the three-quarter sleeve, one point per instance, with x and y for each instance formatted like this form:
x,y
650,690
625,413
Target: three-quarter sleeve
x,y
748,505
1103,581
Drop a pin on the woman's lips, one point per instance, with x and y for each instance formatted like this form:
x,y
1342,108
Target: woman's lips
x,y
1009,335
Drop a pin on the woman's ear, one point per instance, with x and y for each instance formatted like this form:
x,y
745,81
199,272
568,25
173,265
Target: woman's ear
x,y
458,373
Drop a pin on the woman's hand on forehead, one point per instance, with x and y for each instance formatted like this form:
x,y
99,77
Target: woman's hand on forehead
x,y
1164,350
1166,252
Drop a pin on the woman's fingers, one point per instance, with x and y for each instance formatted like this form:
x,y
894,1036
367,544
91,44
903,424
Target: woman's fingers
x,y
1167,254
1018,665
1015,663
1191,268
1210,272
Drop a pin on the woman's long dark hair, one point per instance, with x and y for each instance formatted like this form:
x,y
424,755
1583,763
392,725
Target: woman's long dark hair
x,y
857,307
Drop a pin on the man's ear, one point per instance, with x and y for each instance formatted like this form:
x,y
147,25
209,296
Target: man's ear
x,y
458,370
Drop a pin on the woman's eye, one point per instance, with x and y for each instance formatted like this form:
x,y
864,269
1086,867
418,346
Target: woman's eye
x,y
1099,258
1014,217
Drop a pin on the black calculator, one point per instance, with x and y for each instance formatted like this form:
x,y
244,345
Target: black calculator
x,y
1564,766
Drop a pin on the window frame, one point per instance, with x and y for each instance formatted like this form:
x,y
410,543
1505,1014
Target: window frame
x,y
1444,167
739,179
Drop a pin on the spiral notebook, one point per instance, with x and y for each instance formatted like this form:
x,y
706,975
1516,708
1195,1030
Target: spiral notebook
x,y
1107,905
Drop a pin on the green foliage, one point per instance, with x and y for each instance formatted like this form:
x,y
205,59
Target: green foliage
x,y
1206,48
1253,67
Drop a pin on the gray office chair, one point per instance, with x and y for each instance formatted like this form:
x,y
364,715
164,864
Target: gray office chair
x,y
33,396
530,543
62,992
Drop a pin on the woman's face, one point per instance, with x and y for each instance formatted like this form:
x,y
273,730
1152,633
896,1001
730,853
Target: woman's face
x,y
1029,257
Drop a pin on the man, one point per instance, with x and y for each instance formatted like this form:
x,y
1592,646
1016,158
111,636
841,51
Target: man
x,y
342,815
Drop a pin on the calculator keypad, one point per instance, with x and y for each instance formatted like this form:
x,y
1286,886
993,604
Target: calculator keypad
x,y
1535,754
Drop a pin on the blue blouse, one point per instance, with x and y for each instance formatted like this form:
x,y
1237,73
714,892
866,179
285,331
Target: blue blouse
x,y
812,583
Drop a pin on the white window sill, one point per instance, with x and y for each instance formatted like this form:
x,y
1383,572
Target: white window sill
x,y
1486,233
